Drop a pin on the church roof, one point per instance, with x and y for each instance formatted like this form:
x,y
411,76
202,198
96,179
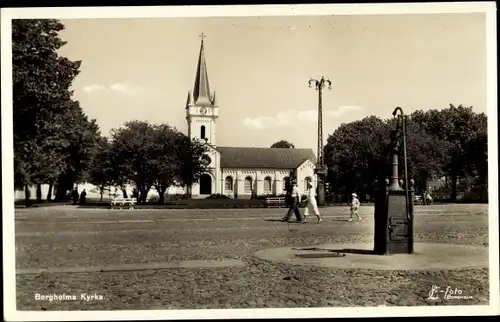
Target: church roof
x,y
201,92
270,158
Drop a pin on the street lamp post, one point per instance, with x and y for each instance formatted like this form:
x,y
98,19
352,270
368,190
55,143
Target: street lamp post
x,y
320,163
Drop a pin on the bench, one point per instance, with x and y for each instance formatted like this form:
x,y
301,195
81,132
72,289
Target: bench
x,y
276,202
123,201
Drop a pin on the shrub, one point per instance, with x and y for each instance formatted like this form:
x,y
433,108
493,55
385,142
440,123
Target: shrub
x,y
153,199
476,194
217,196
177,197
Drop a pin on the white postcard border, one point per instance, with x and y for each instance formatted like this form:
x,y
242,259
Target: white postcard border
x,y
225,11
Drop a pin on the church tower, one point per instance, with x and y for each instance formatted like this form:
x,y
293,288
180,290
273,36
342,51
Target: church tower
x,y
201,108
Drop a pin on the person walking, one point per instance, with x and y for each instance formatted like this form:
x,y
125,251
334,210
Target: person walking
x,y
294,203
312,205
74,196
355,207
427,198
83,197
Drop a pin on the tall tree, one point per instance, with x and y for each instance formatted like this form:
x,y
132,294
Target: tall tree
x,y
352,153
132,146
155,156
101,170
84,141
41,82
283,144
461,128
164,158
451,142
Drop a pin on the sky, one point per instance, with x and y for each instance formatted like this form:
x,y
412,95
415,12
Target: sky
x,y
142,69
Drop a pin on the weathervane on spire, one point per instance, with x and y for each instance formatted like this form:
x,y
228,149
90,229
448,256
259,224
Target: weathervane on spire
x,y
202,36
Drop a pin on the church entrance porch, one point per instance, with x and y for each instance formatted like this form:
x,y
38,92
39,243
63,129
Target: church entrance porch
x,y
205,185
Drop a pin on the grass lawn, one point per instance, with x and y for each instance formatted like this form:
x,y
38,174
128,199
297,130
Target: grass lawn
x,y
65,236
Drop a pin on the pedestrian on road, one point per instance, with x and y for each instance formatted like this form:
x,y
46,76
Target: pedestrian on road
x,y
74,196
427,198
354,207
312,205
294,203
83,197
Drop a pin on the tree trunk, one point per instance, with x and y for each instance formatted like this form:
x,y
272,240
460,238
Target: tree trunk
x,y
101,191
424,183
63,185
124,191
27,194
38,192
143,195
49,194
59,190
161,192
454,181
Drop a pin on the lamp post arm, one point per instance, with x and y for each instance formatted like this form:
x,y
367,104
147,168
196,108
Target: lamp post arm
x,y
314,81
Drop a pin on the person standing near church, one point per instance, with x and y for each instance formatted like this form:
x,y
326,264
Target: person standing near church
x,y
355,207
312,205
294,203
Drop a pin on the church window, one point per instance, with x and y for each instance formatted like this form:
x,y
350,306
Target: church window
x,y
307,181
248,184
202,134
228,186
267,185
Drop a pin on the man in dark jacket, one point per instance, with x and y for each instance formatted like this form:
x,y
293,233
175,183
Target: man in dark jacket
x,y
294,202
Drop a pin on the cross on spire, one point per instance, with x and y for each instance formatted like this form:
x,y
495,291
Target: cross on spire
x,y
201,92
202,37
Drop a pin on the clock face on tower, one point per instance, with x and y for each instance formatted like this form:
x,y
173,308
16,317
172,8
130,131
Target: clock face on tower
x,y
203,110
206,159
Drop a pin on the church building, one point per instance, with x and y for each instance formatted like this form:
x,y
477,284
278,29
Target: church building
x,y
239,172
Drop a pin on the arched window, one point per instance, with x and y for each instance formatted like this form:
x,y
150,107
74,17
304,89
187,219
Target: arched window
x,y
228,184
202,134
267,185
307,181
248,185
285,182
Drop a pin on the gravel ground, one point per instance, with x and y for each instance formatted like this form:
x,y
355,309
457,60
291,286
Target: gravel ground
x,y
68,237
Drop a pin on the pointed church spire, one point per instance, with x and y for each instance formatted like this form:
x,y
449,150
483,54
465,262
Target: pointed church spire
x,y
201,92
189,100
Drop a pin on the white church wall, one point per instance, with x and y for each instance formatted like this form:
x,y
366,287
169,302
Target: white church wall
x,y
305,170
214,174
196,191
258,176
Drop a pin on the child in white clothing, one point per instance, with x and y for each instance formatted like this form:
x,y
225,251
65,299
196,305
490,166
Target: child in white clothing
x,y
355,207
312,205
